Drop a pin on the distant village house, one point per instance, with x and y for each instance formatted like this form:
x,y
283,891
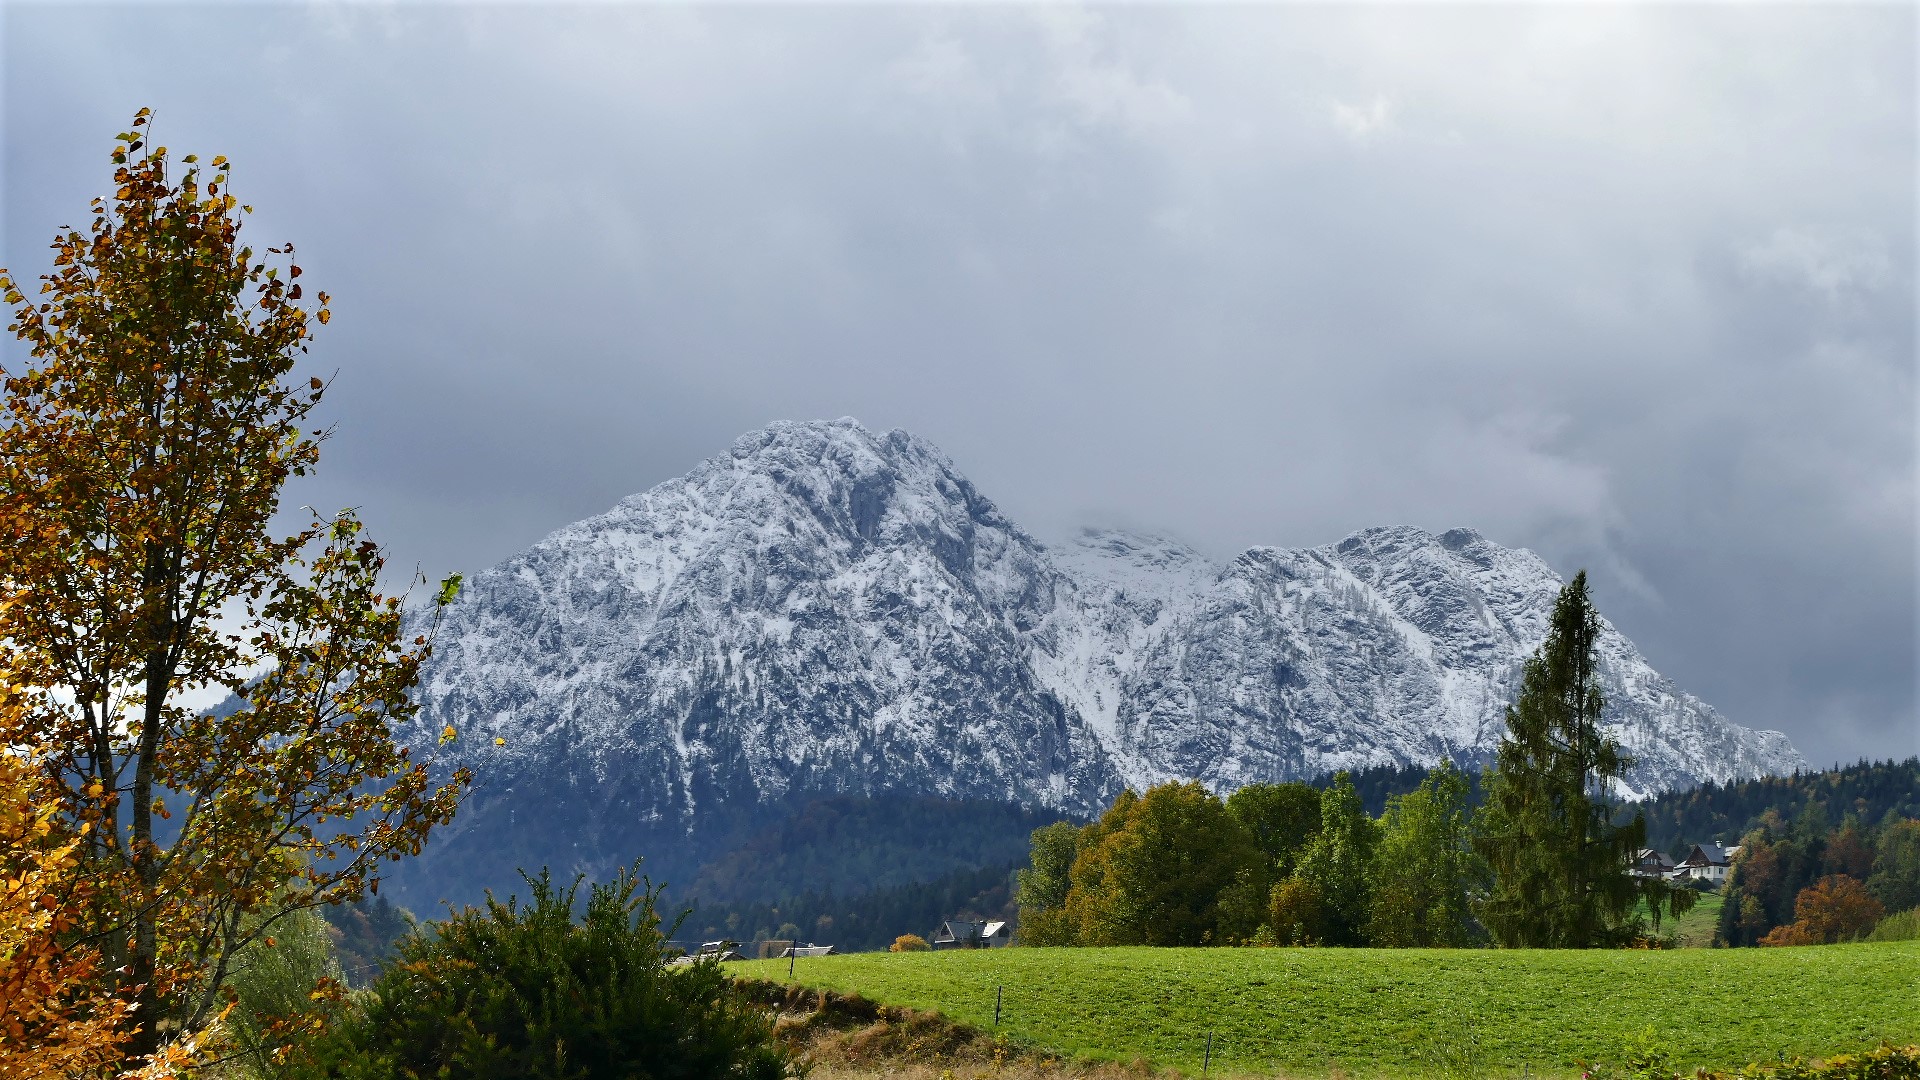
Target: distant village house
x,y
1706,862
1652,864
961,934
721,951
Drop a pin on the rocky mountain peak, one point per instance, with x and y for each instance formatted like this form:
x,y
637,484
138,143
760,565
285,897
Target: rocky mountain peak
x,y
827,610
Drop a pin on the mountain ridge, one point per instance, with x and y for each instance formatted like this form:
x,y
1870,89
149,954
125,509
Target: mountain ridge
x,y
825,610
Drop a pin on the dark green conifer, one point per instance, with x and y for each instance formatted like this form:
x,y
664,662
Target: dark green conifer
x,y
1560,864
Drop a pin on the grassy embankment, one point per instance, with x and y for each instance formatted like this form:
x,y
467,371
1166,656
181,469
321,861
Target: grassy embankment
x,y
1392,1013
1695,929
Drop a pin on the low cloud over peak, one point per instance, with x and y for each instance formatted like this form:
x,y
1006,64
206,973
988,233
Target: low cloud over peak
x,y
1630,286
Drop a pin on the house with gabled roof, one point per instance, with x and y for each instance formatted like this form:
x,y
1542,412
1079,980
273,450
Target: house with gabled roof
x,y
1706,862
1649,863
964,934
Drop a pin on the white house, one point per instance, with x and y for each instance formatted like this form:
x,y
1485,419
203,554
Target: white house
x,y
1706,862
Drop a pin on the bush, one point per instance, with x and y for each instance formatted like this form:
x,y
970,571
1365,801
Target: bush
x,y
1645,1061
1899,926
523,991
909,943
1881,1063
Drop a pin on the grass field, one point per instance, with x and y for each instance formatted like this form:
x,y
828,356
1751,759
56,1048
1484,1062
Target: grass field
x,y
1391,1013
1695,929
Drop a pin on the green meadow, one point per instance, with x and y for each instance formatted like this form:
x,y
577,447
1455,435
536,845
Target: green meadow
x,y
1403,1012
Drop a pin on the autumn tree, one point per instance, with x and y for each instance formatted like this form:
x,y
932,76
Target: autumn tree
x,y
1560,863
1063,925
1296,913
56,1020
144,445
1835,908
1848,851
1153,870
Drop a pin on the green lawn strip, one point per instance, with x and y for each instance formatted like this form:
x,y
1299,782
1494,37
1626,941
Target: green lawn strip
x,y
1696,928
1378,1012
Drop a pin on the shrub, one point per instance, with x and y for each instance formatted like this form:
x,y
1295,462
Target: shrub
x,y
1899,926
523,991
1646,1061
1883,1062
909,943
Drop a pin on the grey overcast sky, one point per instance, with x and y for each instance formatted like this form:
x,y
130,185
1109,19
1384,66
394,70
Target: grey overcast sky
x,y
1630,285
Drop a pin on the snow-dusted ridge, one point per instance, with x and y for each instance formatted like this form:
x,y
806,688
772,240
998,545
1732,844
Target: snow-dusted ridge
x,y
826,609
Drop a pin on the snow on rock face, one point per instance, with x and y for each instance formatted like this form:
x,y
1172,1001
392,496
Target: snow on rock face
x,y
830,610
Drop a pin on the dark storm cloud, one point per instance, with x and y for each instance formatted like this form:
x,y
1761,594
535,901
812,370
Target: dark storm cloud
x,y
1630,286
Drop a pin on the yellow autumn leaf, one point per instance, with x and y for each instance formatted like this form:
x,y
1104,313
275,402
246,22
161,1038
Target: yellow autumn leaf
x,y
447,734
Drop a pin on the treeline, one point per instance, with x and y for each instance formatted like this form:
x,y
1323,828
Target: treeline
x,y
1376,784
868,921
1809,882
845,844
1271,864
1871,792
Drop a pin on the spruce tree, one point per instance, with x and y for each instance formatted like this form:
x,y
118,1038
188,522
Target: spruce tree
x,y
1560,864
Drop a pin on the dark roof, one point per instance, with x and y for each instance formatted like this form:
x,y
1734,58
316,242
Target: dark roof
x,y
1706,855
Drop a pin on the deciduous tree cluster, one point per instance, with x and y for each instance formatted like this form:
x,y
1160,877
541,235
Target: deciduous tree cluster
x,y
1543,863
1809,882
1272,864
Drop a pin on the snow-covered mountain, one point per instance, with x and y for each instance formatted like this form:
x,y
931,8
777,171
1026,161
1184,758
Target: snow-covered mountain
x,y
828,610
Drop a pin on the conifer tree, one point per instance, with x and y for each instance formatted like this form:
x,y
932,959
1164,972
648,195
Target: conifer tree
x,y
1560,864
